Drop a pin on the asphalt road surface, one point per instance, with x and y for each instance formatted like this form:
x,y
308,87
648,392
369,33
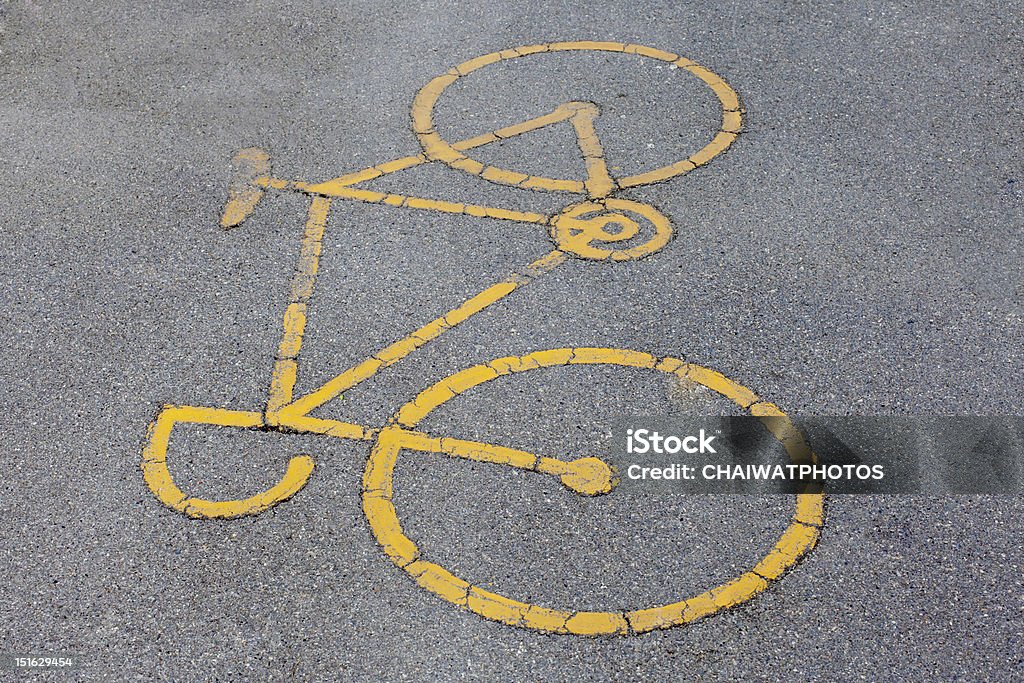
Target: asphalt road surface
x,y
855,251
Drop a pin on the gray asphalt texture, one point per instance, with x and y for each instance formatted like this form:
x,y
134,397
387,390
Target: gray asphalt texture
x,y
857,251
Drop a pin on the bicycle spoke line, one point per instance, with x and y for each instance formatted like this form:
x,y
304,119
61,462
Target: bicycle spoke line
x,y
586,476
403,347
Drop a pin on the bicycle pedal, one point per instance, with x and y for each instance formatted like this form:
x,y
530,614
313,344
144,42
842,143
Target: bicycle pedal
x,y
589,477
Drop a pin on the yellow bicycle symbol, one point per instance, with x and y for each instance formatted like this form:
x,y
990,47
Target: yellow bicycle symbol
x,y
599,228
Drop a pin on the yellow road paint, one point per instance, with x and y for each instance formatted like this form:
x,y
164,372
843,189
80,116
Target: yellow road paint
x,y
716,381
583,229
439,581
335,428
597,624
496,607
283,376
294,324
484,452
341,187
161,483
545,619
652,52
600,228
588,45
737,591
720,142
795,542
731,122
586,476
599,183
244,193
658,174
403,347
810,509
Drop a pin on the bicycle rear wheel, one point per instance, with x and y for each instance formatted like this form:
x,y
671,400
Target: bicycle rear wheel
x,y
797,540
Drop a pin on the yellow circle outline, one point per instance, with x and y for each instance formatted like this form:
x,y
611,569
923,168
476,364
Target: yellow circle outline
x,y
796,541
581,244
438,149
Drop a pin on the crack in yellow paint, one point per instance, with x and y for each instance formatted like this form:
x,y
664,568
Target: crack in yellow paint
x,y
600,228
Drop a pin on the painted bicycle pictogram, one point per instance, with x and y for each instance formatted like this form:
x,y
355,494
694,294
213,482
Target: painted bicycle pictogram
x,y
599,227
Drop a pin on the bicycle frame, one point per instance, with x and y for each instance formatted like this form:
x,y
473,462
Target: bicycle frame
x,y
601,227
